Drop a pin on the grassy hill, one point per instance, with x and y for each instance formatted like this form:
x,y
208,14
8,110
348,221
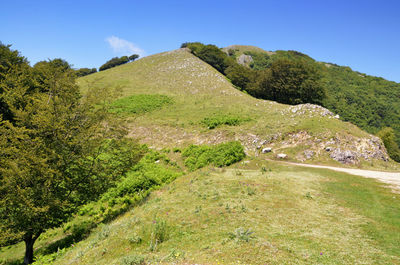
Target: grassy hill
x,y
198,93
253,212
370,102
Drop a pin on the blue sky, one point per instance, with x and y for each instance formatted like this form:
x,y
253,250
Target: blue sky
x,y
364,35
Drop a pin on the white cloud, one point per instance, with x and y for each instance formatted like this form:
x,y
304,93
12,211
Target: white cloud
x,y
124,47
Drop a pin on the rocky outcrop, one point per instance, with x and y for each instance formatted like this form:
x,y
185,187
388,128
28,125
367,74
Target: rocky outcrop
x,y
345,157
244,59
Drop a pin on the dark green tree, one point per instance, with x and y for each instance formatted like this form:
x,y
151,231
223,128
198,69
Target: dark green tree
x,y
290,82
11,63
85,71
57,154
114,62
133,57
388,137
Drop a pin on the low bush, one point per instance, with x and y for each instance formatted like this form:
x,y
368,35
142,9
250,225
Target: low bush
x,y
133,260
214,122
137,104
225,154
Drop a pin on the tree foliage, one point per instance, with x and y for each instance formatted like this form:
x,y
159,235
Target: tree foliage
x,y
290,82
114,62
388,137
211,54
133,57
59,151
85,71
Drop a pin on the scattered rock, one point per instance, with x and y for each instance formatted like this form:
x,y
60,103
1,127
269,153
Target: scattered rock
x,y
281,156
346,156
258,146
266,150
309,154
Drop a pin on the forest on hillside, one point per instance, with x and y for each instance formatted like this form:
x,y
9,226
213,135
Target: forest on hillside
x,y
291,77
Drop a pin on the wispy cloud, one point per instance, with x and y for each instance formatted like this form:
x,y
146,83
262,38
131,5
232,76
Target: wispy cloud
x,y
124,47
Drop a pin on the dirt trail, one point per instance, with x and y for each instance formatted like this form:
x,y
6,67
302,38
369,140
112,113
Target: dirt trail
x,y
391,178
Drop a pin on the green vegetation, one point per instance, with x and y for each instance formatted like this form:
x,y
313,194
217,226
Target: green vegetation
x,y
216,121
290,82
138,104
290,78
85,71
388,138
367,101
277,224
225,154
118,61
56,154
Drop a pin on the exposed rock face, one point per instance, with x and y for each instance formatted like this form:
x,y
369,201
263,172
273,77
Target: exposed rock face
x,y
346,156
309,154
244,59
311,110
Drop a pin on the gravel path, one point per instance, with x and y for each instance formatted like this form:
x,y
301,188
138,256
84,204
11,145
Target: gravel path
x,y
392,178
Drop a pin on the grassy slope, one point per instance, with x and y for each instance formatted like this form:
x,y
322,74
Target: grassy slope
x,y
296,213
298,216
199,92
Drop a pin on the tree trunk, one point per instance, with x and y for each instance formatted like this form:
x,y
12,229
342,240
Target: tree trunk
x,y
29,241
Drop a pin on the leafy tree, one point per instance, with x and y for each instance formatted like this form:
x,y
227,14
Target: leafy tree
x,y
61,151
114,62
85,71
11,62
133,57
388,137
240,75
290,82
212,55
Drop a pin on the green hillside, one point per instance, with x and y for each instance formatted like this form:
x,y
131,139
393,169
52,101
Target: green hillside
x,y
253,213
198,93
180,204
370,102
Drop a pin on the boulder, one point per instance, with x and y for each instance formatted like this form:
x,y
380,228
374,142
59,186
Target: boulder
x,y
266,150
328,149
281,156
244,59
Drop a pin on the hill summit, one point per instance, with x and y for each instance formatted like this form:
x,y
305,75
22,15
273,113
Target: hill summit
x,y
304,133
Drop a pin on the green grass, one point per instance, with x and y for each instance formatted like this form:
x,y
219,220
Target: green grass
x,y
220,155
203,97
137,104
245,215
218,120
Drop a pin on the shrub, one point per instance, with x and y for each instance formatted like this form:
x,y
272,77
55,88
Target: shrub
x,y
137,104
214,122
241,234
220,155
133,260
159,233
